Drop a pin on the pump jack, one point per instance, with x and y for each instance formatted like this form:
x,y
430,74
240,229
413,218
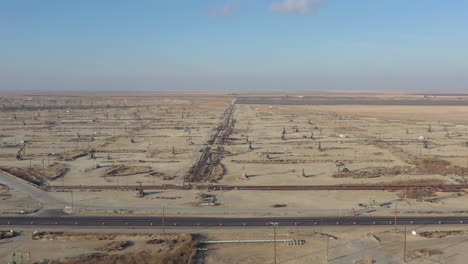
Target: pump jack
x,y
21,152
140,193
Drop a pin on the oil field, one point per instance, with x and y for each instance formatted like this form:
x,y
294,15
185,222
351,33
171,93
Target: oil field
x,y
207,162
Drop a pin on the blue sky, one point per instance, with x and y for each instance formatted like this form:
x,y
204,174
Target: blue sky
x,y
375,45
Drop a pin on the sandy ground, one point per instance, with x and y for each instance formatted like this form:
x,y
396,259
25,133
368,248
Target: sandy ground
x,y
157,124
14,202
342,137
76,244
382,244
346,133
299,203
353,245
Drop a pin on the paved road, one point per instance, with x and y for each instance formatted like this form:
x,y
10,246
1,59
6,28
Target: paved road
x,y
48,201
125,221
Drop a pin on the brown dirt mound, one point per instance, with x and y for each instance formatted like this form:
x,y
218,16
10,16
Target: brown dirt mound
x,y
72,155
172,249
365,261
115,246
73,236
423,252
54,171
24,173
373,172
441,234
356,174
122,170
216,172
37,174
163,176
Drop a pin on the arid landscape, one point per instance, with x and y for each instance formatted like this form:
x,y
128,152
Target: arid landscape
x,y
233,132
179,155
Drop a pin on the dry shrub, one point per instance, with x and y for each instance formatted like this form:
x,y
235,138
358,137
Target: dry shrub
x,y
180,249
415,193
439,166
393,171
115,246
54,171
65,236
421,182
155,241
3,188
432,165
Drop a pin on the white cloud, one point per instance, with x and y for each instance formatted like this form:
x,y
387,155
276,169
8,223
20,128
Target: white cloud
x,y
227,10
296,7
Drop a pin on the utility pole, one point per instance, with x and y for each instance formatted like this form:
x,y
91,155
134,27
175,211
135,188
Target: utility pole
x,y
274,224
363,251
404,248
396,212
406,190
71,193
164,220
328,246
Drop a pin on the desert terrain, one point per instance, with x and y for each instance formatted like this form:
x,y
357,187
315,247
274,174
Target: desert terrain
x,y
116,154
424,244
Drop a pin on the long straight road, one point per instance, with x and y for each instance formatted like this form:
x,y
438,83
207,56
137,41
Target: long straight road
x,y
174,222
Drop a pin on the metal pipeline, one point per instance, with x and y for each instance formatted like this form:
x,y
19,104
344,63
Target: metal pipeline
x,y
245,241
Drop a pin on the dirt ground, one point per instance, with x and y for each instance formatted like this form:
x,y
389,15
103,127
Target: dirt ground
x,y
104,248
13,202
125,140
425,244
159,132
156,139
353,245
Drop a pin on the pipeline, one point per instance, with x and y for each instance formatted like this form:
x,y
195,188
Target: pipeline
x,y
289,241
389,187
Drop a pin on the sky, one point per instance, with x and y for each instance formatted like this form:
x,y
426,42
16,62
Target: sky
x,y
234,45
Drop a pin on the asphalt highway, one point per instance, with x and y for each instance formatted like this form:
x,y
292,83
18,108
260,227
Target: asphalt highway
x,y
174,222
